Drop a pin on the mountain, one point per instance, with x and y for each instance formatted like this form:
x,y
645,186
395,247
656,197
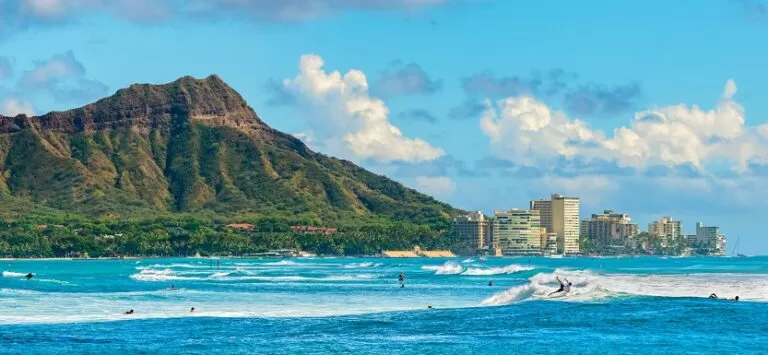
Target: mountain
x,y
191,146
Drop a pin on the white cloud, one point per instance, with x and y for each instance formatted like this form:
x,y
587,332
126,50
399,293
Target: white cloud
x,y
527,132
44,8
14,107
347,121
441,186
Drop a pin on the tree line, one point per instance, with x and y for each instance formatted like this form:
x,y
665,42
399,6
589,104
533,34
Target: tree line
x,y
187,237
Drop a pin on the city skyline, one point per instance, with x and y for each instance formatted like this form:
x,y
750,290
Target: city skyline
x,y
475,102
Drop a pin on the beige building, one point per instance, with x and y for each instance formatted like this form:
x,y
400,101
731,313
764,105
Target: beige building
x,y
610,229
548,242
666,228
473,226
517,232
561,216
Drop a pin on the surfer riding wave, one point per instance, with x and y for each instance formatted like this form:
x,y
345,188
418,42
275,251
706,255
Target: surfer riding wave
x,y
564,287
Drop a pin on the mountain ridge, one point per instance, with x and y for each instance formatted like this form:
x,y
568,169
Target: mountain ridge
x,y
189,146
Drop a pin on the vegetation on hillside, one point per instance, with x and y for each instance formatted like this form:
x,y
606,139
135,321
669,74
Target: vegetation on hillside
x,y
153,160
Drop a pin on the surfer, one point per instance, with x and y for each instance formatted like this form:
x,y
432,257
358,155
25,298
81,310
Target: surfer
x,y
564,287
735,298
713,296
29,276
129,312
192,310
172,288
490,283
401,278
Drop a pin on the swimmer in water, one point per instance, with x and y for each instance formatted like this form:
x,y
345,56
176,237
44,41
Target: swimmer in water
x,y
172,287
490,283
401,278
735,298
129,312
192,310
29,276
564,287
713,296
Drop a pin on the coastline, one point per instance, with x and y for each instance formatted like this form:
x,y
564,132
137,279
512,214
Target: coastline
x,y
379,257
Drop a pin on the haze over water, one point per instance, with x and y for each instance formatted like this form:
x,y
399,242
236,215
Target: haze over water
x,y
617,305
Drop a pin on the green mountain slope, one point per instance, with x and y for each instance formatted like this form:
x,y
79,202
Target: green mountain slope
x,y
190,146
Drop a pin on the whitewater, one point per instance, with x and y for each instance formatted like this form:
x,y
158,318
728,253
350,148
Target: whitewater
x,y
323,305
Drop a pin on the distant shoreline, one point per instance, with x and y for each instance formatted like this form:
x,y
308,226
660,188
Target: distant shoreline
x,y
371,257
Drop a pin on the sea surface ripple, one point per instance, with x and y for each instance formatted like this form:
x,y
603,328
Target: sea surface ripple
x,y
354,305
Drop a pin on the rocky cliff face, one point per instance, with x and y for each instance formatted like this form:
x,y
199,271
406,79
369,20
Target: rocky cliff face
x,y
187,146
148,107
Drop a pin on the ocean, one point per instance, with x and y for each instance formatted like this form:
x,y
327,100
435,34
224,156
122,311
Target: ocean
x,y
617,305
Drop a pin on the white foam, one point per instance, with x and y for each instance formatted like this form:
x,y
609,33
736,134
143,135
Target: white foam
x,y
282,262
449,268
467,261
589,286
13,274
509,269
362,265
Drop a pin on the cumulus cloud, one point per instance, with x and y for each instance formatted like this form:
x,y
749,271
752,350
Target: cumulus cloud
x,y
440,186
63,77
586,99
347,120
13,107
417,115
402,80
529,133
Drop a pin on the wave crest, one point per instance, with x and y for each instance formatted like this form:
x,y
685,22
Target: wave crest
x,y
590,286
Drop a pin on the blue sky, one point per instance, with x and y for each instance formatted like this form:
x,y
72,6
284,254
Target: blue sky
x,y
649,108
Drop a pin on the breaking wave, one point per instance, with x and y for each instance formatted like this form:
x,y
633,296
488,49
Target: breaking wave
x,y
362,265
282,262
449,268
590,286
452,268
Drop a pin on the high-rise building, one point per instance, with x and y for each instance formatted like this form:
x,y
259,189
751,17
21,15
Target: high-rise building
x,y
666,228
545,211
707,240
517,232
474,227
609,229
561,216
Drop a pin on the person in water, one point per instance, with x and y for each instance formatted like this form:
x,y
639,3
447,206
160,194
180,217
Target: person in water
x,y
490,283
402,280
172,287
564,287
713,296
129,312
735,298
192,310
29,276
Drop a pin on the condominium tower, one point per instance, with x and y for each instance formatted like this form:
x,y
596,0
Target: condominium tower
x,y
517,232
560,215
609,229
473,227
666,228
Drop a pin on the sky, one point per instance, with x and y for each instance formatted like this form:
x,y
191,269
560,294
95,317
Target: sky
x,y
650,108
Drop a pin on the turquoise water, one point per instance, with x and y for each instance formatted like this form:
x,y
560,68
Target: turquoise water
x,y
347,305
